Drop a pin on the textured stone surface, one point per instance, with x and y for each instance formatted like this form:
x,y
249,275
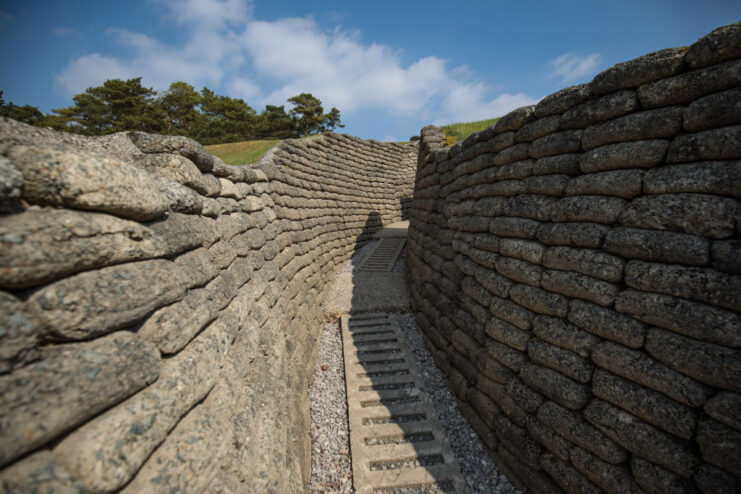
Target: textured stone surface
x,y
641,438
639,71
575,429
651,406
11,185
694,319
610,273
720,445
636,154
71,178
18,334
607,323
719,45
96,302
714,365
38,246
640,368
71,383
696,214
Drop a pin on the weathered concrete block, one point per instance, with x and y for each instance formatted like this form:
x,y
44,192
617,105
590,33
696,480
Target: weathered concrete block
x,y
38,472
613,479
705,285
538,128
715,144
106,452
636,154
522,249
639,71
593,208
720,445
566,475
18,334
726,256
651,406
505,355
553,442
508,334
620,183
574,234
555,386
719,45
640,368
654,478
652,245
514,119
715,365
610,106
713,480
70,384
551,185
574,428
152,143
540,301
562,100
641,438
11,186
701,321
725,407
581,286
716,110
513,227
607,323
97,302
69,177
585,261
172,327
536,207
684,88
558,332
511,312
561,360
46,244
696,214
567,141
519,271
566,164
652,124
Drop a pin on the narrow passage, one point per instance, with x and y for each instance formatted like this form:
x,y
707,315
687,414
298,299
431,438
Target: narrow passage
x,y
440,449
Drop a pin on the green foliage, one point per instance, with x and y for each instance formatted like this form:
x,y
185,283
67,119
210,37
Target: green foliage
x,y
207,117
115,106
179,105
237,153
26,113
459,131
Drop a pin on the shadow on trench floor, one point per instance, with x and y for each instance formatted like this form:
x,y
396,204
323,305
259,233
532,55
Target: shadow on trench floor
x,y
400,406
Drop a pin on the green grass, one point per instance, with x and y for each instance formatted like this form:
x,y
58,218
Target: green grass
x,y
239,153
459,131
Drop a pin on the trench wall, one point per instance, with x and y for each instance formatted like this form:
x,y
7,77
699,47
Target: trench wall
x,y
159,310
576,271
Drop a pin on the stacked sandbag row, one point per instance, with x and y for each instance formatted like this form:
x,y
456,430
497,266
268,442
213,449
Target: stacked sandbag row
x,y
576,271
159,309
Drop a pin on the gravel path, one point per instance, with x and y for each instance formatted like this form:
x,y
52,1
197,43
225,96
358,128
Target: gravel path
x,y
330,453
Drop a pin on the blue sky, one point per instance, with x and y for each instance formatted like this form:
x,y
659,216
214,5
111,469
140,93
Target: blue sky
x,y
390,67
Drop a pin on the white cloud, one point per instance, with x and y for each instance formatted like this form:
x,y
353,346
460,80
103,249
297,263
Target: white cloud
x,y
227,48
390,138
570,67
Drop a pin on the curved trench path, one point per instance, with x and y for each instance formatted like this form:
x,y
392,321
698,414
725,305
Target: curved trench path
x,y
383,419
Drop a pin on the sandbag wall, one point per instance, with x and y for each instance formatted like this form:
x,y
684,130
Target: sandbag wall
x,y
576,271
159,310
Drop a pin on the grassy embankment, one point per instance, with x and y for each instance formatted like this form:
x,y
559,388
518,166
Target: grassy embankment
x,y
459,131
239,153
